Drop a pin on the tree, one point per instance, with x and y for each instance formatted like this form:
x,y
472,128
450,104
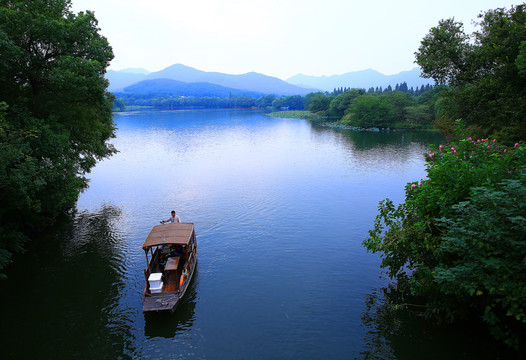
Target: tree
x,y
371,111
418,115
399,101
444,52
265,101
59,115
485,72
319,102
457,242
342,102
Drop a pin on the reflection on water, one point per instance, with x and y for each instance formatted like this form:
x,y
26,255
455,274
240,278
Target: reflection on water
x,y
63,292
167,326
405,334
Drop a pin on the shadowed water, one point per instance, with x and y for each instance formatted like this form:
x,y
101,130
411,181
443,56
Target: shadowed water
x,y
280,208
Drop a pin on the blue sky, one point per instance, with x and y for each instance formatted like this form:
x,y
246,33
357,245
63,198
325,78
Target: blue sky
x,y
279,38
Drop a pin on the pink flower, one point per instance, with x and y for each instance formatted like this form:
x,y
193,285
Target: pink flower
x,y
517,144
494,140
469,138
431,155
413,186
440,148
455,152
505,150
488,146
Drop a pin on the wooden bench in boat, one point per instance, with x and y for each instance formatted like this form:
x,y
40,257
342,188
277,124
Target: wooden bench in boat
x,y
172,264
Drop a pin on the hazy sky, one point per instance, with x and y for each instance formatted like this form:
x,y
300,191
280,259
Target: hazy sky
x,y
279,38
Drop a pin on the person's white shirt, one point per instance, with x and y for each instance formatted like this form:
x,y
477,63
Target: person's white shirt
x,y
172,219
175,218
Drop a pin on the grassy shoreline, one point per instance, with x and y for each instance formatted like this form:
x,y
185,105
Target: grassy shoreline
x,y
324,121
297,114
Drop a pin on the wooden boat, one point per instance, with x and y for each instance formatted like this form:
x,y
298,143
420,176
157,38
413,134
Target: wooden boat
x,y
171,255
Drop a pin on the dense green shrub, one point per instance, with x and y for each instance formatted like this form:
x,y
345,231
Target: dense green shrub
x,y
458,241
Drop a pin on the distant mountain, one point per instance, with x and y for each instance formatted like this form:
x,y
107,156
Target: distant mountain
x,y
360,79
250,81
122,78
169,87
136,71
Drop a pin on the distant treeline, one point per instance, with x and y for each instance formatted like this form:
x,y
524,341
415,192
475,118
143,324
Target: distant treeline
x,y
379,109
159,101
403,87
376,107
294,102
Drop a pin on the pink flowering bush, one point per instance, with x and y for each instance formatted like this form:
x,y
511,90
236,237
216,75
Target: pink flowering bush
x,y
448,247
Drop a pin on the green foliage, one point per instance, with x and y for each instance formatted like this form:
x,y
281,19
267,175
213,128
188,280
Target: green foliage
x,y
339,105
458,240
444,51
486,75
206,102
58,116
294,102
372,111
296,114
484,253
265,101
520,62
384,109
319,103
308,99
399,103
119,105
418,115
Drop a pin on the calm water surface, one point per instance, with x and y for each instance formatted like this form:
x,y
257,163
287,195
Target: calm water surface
x,y
280,207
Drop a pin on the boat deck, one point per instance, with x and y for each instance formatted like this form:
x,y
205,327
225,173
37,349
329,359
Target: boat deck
x,y
165,301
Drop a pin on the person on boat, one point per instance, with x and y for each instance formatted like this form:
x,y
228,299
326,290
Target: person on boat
x,y
173,219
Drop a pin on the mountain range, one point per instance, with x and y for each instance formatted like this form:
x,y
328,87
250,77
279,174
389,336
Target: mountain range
x,y
250,82
173,88
364,79
176,80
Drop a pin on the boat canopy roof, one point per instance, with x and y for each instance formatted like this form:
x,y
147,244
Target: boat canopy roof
x,y
171,233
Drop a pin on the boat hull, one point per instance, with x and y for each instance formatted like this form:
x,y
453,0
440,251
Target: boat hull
x,y
171,255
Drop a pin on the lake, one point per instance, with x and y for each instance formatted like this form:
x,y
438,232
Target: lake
x,y
280,206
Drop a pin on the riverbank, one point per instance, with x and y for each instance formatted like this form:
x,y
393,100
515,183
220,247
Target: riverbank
x,y
324,122
297,114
